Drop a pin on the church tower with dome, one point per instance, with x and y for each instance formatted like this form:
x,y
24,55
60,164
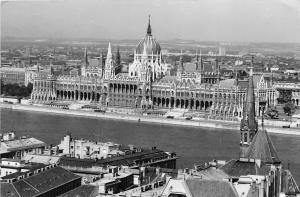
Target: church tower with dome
x,y
148,54
149,84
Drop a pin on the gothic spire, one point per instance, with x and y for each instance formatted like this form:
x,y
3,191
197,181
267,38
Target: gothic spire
x,y
236,78
86,61
149,31
218,69
38,66
103,58
51,68
109,53
118,57
181,62
197,60
201,62
250,103
249,126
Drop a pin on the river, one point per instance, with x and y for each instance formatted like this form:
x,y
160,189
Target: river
x,y
192,145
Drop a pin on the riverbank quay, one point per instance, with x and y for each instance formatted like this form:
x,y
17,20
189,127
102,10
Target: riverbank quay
x,y
200,122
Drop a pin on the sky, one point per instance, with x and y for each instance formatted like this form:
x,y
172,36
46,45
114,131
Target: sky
x,y
201,20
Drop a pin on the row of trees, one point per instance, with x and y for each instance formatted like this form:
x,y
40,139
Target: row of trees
x,y
289,108
16,90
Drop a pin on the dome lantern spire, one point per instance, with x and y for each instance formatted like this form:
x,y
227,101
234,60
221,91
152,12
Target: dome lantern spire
x,y
149,31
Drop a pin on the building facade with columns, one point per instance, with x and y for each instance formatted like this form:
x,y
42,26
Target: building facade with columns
x,y
230,96
288,92
147,85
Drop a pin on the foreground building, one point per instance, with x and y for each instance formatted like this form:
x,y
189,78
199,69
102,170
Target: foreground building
x,y
86,149
148,84
11,147
47,181
258,172
134,160
10,166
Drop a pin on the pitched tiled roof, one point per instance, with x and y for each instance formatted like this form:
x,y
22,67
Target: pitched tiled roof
x,y
38,183
210,188
82,191
30,167
237,168
262,148
125,160
7,189
212,174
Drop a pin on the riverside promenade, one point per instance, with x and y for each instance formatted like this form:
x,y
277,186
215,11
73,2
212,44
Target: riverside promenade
x,y
199,122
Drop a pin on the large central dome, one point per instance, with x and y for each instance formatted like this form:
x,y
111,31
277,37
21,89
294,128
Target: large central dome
x,y
152,46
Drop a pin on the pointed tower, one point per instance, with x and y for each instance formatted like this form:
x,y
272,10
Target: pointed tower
x,y
180,69
109,64
118,57
100,59
198,67
103,59
149,30
249,125
236,78
181,62
85,63
201,63
197,60
101,64
38,66
217,70
51,68
109,53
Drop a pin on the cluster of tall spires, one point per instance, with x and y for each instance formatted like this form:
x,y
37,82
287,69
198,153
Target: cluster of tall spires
x,y
181,67
102,56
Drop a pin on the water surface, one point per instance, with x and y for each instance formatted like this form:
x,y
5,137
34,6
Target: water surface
x,y
192,145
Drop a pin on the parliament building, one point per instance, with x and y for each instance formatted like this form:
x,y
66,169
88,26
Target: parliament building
x,y
150,84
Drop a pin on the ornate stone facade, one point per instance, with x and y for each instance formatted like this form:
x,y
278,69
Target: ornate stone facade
x,y
289,91
230,97
148,84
